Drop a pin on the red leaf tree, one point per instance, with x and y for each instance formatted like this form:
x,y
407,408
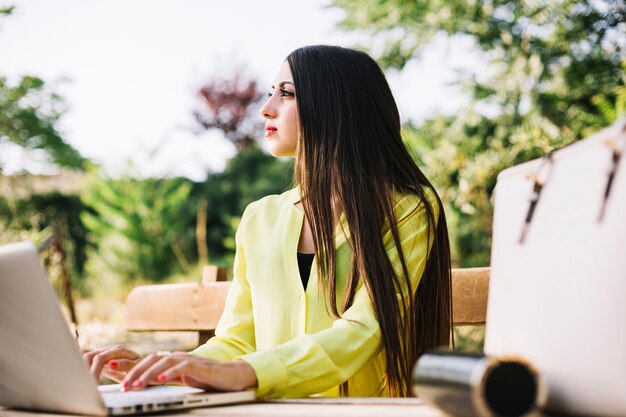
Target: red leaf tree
x,y
231,105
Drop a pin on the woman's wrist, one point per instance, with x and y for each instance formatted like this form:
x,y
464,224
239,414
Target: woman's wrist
x,y
246,373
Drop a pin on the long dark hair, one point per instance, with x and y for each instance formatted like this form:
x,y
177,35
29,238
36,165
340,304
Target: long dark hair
x,y
350,153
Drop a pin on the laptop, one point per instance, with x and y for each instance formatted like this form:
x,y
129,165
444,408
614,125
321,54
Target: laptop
x,y
558,272
41,363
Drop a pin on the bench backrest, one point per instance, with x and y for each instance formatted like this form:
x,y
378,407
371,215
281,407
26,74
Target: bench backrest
x,y
198,306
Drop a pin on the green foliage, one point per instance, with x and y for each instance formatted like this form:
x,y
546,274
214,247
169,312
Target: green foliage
x,y
138,224
28,114
35,216
554,74
469,338
146,229
612,111
6,10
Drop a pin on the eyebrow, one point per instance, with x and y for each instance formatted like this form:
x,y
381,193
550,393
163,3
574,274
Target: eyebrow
x,y
282,84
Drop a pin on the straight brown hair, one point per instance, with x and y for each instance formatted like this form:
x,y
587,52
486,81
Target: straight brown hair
x,y
350,152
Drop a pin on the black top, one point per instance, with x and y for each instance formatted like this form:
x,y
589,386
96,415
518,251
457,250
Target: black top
x,y
305,260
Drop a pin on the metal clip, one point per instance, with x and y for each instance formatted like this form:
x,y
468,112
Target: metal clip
x,y
538,184
615,158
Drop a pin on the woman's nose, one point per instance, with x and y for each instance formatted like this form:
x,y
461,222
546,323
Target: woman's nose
x,y
268,111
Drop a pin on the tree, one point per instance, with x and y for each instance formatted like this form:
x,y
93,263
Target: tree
x,y
28,115
548,60
230,105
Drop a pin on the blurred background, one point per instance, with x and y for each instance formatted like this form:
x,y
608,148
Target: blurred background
x,y
130,138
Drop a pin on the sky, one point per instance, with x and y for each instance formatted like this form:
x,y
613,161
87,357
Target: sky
x,y
129,70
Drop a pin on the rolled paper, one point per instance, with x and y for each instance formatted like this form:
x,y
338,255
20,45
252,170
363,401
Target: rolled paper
x,y
475,385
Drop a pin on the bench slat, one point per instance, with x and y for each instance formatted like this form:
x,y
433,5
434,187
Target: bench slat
x,y
470,288
176,307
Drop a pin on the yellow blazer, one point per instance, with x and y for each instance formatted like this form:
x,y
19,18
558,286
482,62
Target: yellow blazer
x,y
286,333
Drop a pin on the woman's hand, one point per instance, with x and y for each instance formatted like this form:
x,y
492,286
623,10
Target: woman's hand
x,y
191,370
114,362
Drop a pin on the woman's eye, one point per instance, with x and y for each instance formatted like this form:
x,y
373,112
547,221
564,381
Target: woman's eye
x,y
286,93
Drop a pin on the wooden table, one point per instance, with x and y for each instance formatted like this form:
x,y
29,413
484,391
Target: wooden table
x,y
327,407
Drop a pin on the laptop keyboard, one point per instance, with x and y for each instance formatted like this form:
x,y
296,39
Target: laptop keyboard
x,y
120,399
113,397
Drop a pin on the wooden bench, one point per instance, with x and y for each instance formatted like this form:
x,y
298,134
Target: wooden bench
x,y
193,307
198,307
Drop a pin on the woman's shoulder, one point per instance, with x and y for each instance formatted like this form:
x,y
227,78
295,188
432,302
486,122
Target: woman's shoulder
x,y
408,205
271,205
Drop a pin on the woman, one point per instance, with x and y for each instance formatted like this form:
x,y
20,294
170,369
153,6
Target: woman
x,y
362,217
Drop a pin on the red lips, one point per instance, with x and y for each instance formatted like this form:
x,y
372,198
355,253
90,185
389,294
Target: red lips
x,y
270,130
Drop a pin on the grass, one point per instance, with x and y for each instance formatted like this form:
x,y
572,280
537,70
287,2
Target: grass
x,y
469,338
